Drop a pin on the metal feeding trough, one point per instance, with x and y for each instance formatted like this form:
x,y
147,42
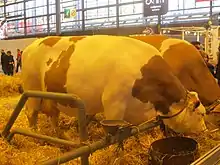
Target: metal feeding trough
x,y
112,126
173,151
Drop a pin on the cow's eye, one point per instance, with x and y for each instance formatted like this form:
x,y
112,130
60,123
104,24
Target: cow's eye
x,y
197,104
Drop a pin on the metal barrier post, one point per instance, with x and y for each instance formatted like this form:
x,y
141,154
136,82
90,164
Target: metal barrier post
x,y
83,135
53,96
14,116
212,157
25,132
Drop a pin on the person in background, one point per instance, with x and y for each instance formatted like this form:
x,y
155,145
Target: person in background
x,y
206,59
10,63
217,75
18,59
3,61
197,44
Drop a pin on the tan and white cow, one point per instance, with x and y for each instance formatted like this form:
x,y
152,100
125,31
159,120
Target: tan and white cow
x,y
188,65
120,76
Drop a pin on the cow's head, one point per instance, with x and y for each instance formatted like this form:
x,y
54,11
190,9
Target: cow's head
x,y
159,86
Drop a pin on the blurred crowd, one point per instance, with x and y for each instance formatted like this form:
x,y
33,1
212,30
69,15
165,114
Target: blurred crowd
x,y
214,69
9,67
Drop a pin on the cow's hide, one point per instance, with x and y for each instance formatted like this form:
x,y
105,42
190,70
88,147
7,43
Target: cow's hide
x,y
123,77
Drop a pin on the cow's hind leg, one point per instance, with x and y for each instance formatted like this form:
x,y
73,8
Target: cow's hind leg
x,y
33,120
32,109
55,126
60,133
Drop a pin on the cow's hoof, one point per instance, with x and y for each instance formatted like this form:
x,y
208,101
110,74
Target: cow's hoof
x,y
34,128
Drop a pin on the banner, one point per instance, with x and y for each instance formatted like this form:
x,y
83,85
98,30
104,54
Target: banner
x,y
155,7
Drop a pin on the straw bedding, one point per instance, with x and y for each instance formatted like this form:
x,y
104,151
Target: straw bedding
x,y
29,151
9,86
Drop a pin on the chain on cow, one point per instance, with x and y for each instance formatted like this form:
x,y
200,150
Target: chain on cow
x,y
191,105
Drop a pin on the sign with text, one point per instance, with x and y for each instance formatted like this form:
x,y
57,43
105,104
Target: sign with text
x,y
69,13
155,7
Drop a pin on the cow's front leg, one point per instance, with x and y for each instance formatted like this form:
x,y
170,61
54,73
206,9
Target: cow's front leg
x,y
167,132
89,119
114,99
114,111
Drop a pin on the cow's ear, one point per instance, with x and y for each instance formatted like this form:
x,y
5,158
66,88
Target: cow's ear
x,y
158,74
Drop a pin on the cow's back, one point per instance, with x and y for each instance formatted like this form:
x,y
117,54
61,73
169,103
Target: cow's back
x,y
154,40
100,59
